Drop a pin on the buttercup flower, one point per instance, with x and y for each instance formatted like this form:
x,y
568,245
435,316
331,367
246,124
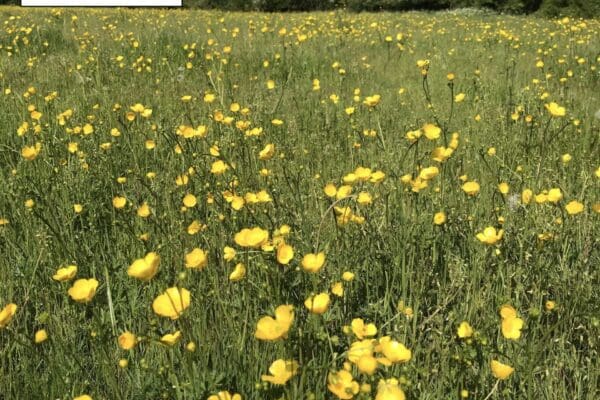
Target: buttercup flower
x,y
490,236
501,371
281,371
127,340
172,302
83,290
342,384
269,328
65,274
313,262
7,314
144,268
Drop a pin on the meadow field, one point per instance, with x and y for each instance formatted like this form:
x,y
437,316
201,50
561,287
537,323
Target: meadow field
x,y
225,206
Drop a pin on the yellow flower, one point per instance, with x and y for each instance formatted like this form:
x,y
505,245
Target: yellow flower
x,y
429,173
439,218
342,384
555,110
269,328
218,167
459,97
503,188
511,324
172,302
65,274
511,328
372,101
83,397
501,371
471,188
31,152
239,272
228,253
554,195
78,208
144,210
267,152
367,364
7,314
281,371
251,237
389,390
119,202
225,395
285,253
40,336
464,330
360,348
171,338
490,236
127,340
362,330
317,304
330,190
313,262
526,196
431,131
144,268
393,351
574,207
189,200
83,290
337,288
196,259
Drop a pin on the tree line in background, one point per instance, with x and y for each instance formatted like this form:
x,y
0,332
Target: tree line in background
x,y
583,8
551,8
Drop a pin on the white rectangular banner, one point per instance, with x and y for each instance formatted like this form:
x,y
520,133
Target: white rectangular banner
x,y
101,3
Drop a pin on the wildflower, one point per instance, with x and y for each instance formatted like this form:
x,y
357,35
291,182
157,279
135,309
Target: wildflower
x,y
40,336
393,351
228,253
83,290
342,385
285,253
127,340
511,324
490,236
501,371
83,397
171,339
30,153
471,188
65,274
281,371
464,330
439,218
367,364
7,314
196,259
337,288
362,330
317,304
526,196
269,328
239,272
555,195
267,152
555,110
431,131
313,262
389,390
503,188
144,268
251,237
574,207
225,395
143,211
172,302
550,305
189,200
459,97
218,167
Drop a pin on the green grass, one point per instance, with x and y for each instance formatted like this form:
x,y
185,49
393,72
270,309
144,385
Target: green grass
x,y
442,272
